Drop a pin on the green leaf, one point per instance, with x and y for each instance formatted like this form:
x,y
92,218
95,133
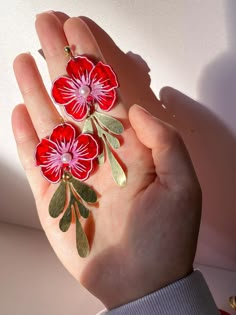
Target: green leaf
x,y
83,210
88,126
84,191
117,171
110,123
82,243
113,141
58,201
66,219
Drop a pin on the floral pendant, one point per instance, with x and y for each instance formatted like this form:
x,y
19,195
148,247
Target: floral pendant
x,y
69,159
86,92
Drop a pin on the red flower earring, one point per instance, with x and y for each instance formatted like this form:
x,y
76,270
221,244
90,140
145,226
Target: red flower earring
x,y
86,87
68,158
86,92
63,152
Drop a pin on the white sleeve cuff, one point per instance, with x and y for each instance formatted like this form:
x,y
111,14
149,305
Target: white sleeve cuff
x,y
187,296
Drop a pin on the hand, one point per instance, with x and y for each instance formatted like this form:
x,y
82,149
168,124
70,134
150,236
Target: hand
x,y
142,236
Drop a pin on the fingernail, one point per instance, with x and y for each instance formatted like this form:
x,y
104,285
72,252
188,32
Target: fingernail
x,y
49,12
143,109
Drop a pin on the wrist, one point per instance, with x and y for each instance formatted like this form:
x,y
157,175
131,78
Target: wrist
x,y
138,287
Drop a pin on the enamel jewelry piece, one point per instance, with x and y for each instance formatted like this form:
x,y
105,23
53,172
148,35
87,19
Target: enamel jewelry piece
x,y
66,157
86,92
69,159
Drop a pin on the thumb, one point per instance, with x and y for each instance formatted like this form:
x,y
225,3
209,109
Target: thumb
x,y
171,159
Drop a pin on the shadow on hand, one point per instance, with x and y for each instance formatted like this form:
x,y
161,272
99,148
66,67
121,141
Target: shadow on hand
x,y
209,141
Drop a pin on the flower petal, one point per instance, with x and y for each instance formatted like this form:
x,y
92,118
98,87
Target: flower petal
x,y
49,159
52,174
43,151
82,169
77,110
63,90
103,76
79,69
63,134
86,147
107,100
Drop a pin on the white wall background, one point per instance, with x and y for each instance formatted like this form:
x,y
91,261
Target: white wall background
x,y
187,44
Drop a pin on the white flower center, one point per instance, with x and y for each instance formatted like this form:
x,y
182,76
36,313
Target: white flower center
x,y
66,157
84,91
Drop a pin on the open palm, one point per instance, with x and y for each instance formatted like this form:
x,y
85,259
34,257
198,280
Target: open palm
x,y
157,211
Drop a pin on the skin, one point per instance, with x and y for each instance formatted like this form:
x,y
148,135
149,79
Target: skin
x,y
142,236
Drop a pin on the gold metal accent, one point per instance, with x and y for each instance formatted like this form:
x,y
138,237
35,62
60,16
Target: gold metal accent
x,y
117,171
114,142
110,123
68,51
66,177
232,302
84,191
58,201
82,243
65,221
101,158
88,126
62,120
84,212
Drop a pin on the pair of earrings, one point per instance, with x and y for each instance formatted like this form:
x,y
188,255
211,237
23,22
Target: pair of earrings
x,y
67,156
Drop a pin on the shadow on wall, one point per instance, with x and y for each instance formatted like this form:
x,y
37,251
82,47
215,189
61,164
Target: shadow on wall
x,y
217,89
211,144
17,203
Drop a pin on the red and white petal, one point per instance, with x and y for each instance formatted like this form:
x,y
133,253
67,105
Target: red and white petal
x,y
53,175
77,110
86,148
64,90
49,159
82,169
79,69
104,76
45,151
63,135
107,100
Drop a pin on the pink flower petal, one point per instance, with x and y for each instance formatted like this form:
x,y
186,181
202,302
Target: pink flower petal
x,y
107,100
79,68
82,169
77,110
104,76
63,90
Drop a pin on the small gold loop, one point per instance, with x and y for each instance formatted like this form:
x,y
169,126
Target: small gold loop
x,y
68,52
62,120
66,177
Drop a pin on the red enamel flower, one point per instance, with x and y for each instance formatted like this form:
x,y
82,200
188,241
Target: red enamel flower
x,y
86,84
63,151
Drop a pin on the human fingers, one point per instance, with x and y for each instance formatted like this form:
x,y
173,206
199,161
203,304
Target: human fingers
x,y
26,141
81,38
50,31
43,114
173,164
